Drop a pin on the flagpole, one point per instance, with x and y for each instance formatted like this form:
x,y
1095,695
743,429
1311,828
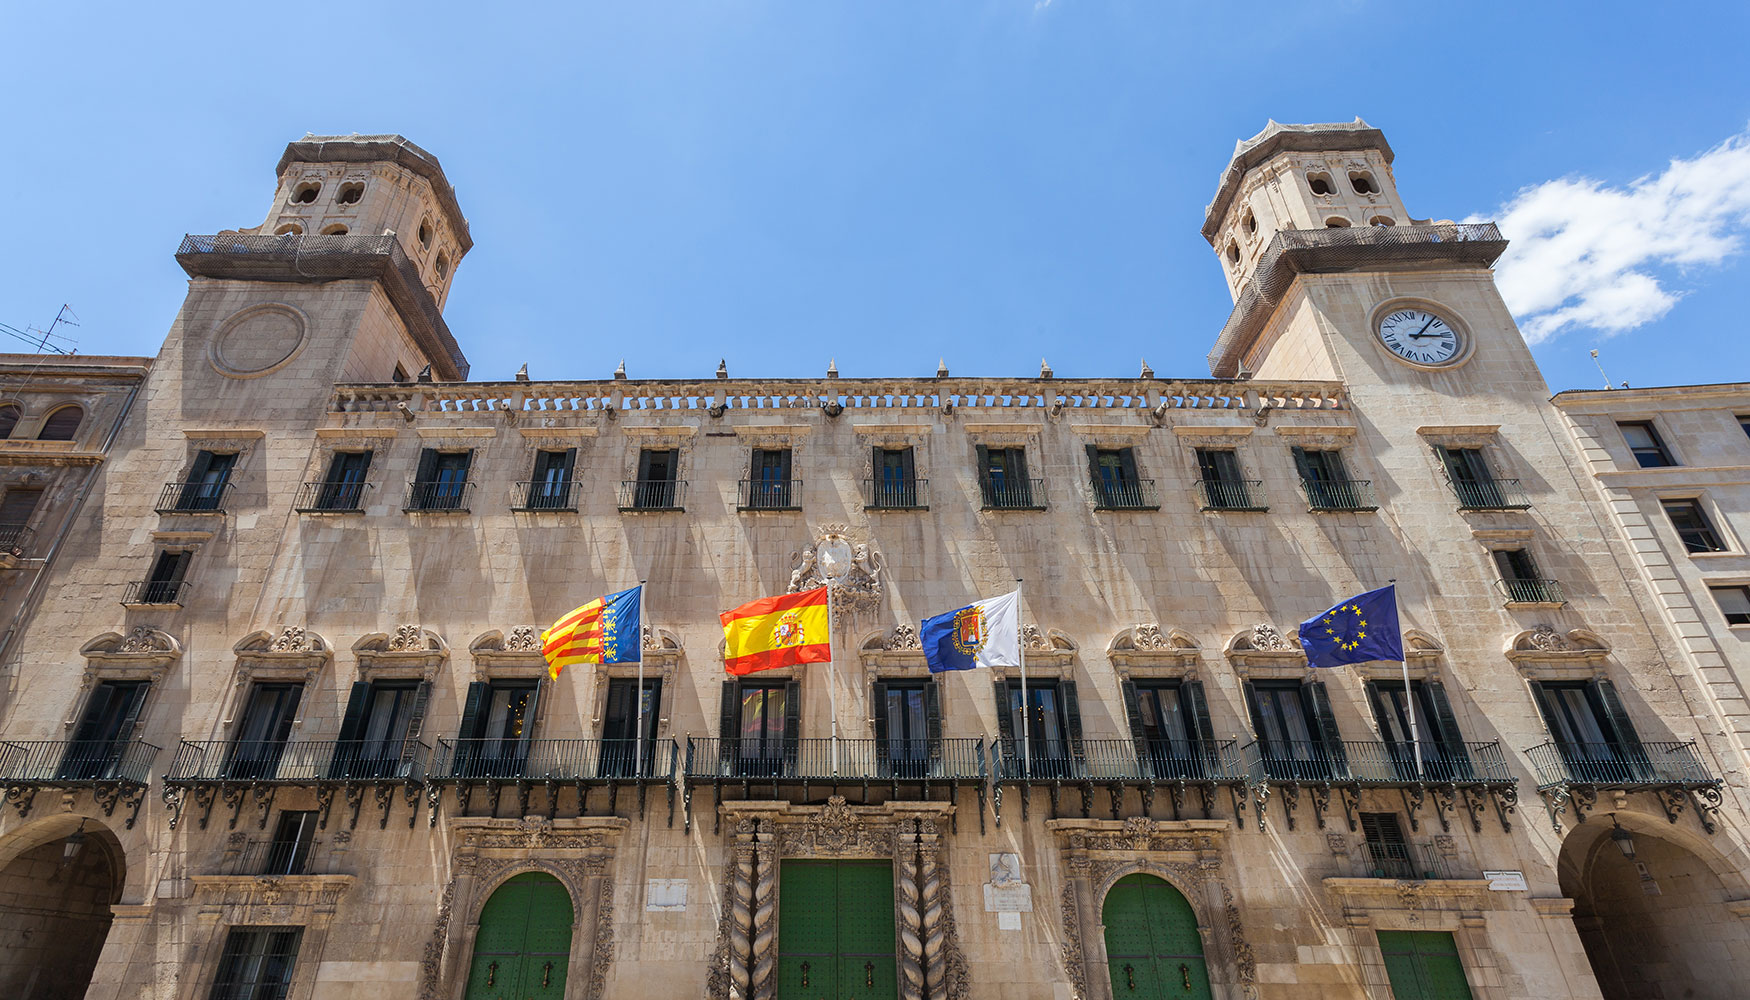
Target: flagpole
x,y
1409,697
638,741
1026,710
832,674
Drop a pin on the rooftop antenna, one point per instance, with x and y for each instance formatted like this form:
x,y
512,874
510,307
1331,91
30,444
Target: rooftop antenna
x,y
1600,365
39,339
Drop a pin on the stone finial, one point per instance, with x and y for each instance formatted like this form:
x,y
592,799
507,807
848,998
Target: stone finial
x,y
832,368
620,372
425,374
1147,372
522,374
722,367
1044,369
942,368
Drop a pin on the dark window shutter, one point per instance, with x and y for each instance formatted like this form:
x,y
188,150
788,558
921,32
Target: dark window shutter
x,y
1329,736
878,471
96,708
1445,723
354,719
1195,702
907,468
1455,470
1133,713
1072,715
1127,462
428,460
467,463
570,463
792,714
1546,707
1616,716
1094,465
1005,715
363,461
288,713
983,463
878,701
131,716
784,459
727,713
1257,714
534,704
18,505
415,724
933,717
203,461
1376,701
1301,466
1018,464
655,686
471,721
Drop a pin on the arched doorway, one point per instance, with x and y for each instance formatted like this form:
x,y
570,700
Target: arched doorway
x,y
1153,948
524,942
58,880
1653,926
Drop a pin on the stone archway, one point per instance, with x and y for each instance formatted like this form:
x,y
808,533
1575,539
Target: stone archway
x,y
1667,924
55,913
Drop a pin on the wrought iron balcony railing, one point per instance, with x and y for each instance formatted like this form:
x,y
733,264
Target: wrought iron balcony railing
x,y
1400,861
443,495
15,540
193,498
340,497
1012,494
553,760
769,494
1134,494
655,494
72,762
1344,494
896,494
1374,763
538,495
1531,591
155,593
1117,761
1489,494
297,762
1231,494
273,857
1609,765
844,760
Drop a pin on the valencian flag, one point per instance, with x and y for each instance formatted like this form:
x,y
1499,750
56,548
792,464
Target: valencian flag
x,y
986,634
1362,628
776,632
606,630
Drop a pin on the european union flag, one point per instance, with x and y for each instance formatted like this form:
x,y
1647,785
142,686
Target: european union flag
x,y
1362,628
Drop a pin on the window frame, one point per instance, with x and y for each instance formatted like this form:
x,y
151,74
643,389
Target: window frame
x,y
1739,588
1699,538
1656,447
251,943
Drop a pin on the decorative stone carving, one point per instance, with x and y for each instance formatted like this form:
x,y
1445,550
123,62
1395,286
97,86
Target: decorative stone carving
x,y
1265,637
1546,638
407,638
906,894
1074,965
904,637
523,638
292,639
763,942
604,942
853,568
836,831
1148,636
141,639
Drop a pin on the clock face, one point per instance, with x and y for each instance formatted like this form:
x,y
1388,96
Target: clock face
x,y
1419,336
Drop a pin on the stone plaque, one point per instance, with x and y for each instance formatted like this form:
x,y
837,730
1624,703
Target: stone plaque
x,y
1012,898
1008,920
665,894
1505,881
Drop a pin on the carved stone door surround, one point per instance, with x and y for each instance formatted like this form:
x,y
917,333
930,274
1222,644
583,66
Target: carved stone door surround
x,y
745,963
1188,855
486,853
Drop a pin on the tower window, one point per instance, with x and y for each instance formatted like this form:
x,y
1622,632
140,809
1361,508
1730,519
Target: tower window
x,y
425,232
8,419
61,424
305,193
335,230
289,229
1382,220
350,193
443,265
1336,222
1233,252
1251,222
1320,183
1362,182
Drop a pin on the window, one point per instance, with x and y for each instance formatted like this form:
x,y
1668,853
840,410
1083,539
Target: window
x,y
498,721
1042,737
203,489
8,420
379,735
1336,222
1743,424
1250,222
1388,853
769,486
1320,183
895,484
1594,738
350,193
760,724
1116,484
400,374
261,738
61,424
1692,526
621,730
344,489
1362,182
908,727
165,585
288,853
99,746
1233,253
1444,757
443,265
425,232
441,482
657,487
552,486
1002,477
256,963
1382,220
1474,484
334,230
1521,581
1297,733
1169,722
1734,603
305,193
289,229
16,509
1326,482
1221,483
1644,442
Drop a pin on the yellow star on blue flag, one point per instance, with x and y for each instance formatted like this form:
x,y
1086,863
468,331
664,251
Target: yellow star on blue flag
x,y
1362,628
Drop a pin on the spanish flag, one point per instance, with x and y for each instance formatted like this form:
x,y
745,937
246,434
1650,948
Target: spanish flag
x,y
776,632
606,630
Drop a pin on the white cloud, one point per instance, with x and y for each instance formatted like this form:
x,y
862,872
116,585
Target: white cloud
x,y
1583,253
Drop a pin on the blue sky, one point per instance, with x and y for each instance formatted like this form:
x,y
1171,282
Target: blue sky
x,y
990,181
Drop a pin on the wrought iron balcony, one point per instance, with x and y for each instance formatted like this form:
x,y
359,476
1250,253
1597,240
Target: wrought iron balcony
x,y
1367,762
655,494
341,497
193,498
1116,761
537,496
117,771
1231,494
273,857
1523,591
769,494
1401,861
1134,494
845,761
449,496
553,760
15,540
1345,494
155,593
1012,494
896,494
1575,773
1489,494
297,762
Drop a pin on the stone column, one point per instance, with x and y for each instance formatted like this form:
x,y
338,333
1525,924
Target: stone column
x,y
906,897
763,951
741,912
934,897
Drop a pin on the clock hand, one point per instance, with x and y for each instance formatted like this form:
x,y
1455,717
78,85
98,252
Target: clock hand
x,y
1425,336
1425,326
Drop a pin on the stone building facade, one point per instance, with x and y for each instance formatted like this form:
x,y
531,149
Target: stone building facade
x,y
277,724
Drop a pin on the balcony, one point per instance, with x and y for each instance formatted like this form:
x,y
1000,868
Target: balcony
x,y
896,494
117,771
1334,495
1543,593
1012,494
193,498
657,495
1576,772
443,496
553,760
15,541
1134,494
342,497
1116,764
1489,494
273,858
1400,861
768,494
155,593
230,769
1463,774
538,496
1231,495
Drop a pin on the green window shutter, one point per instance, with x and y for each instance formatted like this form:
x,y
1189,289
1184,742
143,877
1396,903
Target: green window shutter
x,y
131,717
728,712
1250,693
570,463
1445,722
1546,707
1301,466
983,461
288,712
1616,715
1094,465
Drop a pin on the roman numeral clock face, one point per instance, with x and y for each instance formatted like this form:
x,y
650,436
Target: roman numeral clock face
x,y
1419,337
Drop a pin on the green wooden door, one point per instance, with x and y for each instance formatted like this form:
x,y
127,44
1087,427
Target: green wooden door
x,y
524,941
835,931
1423,965
1153,950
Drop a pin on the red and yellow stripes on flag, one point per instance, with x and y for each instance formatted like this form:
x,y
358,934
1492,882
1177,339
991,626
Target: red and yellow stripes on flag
x,y
776,632
595,633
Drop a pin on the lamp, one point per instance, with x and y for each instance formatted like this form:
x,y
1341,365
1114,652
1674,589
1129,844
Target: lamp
x,y
1621,838
74,844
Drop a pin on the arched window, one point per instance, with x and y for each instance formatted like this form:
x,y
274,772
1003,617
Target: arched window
x,y
305,193
62,424
1336,222
425,232
1233,252
1382,220
1251,222
1362,182
350,193
289,229
443,265
1320,183
335,230
8,420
